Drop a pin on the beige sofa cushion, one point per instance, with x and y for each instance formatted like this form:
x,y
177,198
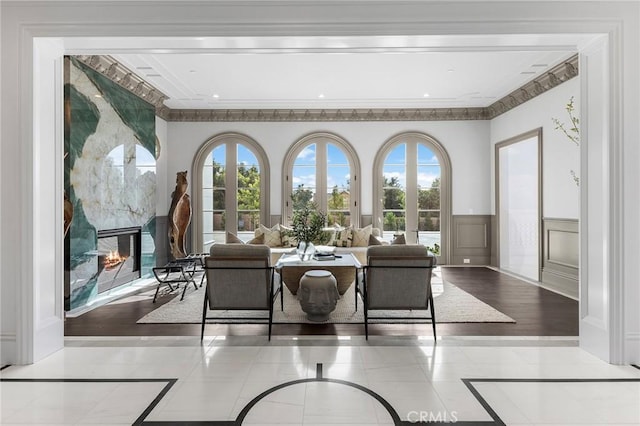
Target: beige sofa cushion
x,y
286,236
272,236
360,236
233,239
343,237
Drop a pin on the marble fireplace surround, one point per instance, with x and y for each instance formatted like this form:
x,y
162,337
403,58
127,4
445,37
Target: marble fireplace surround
x,y
110,178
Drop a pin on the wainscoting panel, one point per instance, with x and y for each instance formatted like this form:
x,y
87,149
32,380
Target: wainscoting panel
x,y
471,240
560,262
162,240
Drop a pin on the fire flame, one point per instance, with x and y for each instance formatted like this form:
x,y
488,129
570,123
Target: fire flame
x,y
113,259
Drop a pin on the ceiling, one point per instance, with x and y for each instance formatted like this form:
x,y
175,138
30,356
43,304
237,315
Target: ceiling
x,y
336,72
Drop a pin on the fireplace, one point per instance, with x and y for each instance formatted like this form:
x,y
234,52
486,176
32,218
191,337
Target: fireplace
x,y
119,252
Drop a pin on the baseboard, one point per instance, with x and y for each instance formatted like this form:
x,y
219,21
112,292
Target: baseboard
x,y
8,347
561,283
632,345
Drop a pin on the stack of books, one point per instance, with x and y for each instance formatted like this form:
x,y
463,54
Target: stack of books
x,y
322,255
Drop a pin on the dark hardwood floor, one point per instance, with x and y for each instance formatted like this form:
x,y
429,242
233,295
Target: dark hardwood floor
x,y
538,312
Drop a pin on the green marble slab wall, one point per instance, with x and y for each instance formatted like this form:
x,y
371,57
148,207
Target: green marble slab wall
x,y
110,173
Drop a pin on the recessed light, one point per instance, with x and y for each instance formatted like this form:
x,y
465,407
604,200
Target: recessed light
x,y
426,95
215,95
321,95
450,70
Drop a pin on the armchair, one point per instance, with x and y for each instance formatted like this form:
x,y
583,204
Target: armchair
x,y
239,277
397,277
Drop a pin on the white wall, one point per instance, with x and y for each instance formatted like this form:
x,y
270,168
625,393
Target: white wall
x,y
560,195
465,141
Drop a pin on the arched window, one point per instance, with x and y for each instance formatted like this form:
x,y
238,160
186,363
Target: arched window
x,y
231,177
413,190
323,168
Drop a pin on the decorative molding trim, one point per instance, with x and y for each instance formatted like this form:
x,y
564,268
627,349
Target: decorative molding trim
x,y
555,76
472,237
295,115
120,74
559,274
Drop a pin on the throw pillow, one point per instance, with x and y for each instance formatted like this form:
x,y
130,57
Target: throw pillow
x,y
271,235
233,239
257,240
400,239
373,241
287,237
343,237
360,236
327,238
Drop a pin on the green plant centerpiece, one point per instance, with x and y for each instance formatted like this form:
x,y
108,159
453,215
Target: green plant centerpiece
x,y
307,225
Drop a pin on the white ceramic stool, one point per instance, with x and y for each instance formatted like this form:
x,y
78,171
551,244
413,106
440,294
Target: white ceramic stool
x,y
318,294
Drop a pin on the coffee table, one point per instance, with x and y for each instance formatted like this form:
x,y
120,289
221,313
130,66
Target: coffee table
x,y
344,267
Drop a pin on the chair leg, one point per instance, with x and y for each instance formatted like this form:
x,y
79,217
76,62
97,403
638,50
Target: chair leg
x,y
156,295
281,295
365,308
366,324
270,320
356,290
184,291
204,313
186,285
433,316
356,296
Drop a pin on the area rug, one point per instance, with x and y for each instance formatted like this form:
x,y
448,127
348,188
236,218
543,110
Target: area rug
x,y
452,305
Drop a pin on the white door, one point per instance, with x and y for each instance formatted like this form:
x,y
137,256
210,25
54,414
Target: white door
x,y
518,165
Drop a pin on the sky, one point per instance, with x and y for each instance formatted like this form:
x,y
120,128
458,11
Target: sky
x,y
304,169
143,157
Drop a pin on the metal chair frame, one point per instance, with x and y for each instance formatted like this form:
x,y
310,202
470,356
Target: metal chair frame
x,y
258,320
363,291
176,272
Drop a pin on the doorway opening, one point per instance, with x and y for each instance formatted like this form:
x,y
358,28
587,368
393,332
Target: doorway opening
x,y
519,204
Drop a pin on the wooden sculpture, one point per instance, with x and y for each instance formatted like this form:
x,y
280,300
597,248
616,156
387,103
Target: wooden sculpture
x,y
179,216
68,213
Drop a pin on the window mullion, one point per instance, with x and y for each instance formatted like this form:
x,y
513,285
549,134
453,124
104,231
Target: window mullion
x,y
231,188
411,201
321,175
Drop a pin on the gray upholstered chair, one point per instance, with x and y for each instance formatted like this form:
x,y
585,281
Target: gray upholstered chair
x,y
239,277
397,277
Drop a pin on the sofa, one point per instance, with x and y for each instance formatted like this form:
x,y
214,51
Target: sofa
x,y
340,240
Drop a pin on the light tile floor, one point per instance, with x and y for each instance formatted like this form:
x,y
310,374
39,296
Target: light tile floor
x,y
320,380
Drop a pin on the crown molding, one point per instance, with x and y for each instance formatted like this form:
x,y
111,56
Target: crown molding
x,y
120,74
123,76
555,76
391,114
